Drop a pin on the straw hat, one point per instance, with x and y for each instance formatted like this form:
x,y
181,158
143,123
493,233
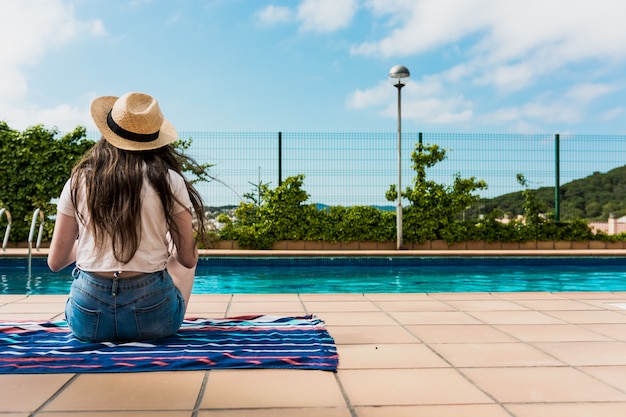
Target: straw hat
x,y
132,122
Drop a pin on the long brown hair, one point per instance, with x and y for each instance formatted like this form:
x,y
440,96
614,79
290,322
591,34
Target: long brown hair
x,y
113,180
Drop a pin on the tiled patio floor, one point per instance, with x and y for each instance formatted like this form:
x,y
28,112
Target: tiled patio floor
x,y
444,355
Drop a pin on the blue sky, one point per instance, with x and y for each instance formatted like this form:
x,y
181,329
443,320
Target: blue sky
x,y
533,66
477,66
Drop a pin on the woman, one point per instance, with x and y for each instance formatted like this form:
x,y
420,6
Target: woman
x,y
125,218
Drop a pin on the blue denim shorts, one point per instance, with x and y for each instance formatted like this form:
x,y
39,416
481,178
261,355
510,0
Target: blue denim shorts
x,y
147,306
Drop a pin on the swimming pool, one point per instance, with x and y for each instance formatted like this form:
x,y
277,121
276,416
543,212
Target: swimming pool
x,y
263,275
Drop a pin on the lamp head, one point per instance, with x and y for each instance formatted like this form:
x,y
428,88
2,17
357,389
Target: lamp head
x,y
399,74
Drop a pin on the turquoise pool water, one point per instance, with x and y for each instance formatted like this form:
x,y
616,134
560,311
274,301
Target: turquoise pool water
x,y
241,275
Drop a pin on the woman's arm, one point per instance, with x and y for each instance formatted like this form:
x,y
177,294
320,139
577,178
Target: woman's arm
x,y
186,250
63,246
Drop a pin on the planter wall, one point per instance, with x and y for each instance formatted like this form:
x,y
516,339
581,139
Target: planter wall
x,y
439,245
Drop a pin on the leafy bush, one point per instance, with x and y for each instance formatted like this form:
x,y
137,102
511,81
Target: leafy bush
x,y
34,165
277,214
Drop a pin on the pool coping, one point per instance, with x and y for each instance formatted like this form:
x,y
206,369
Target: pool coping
x,y
19,252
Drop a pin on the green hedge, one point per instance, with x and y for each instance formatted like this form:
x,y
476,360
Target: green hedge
x,y
282,214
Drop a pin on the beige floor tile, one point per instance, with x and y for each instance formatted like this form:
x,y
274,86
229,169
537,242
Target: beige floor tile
x,y
279,412
387,356
333,297
31,316
11,298
125,413
271,388
377,387
436,317
45,298
264,307
586,353
264,298
28,392
130,391
569,410
617,305
551,332
514,317
32,308
454,333
412,305
207,309
210,298
268,312
485,305
593,295
476,355
612,375
351,335
562,305
366,318
529,295
615,331
589,317
462,296
466,410
542,384
335,306
399,297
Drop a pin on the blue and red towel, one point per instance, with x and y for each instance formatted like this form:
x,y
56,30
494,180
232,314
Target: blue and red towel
x,y
258,341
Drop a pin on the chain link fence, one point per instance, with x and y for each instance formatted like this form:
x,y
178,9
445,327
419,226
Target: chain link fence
x,y
345,169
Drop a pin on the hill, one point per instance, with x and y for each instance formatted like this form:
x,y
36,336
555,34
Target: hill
x,y
590,198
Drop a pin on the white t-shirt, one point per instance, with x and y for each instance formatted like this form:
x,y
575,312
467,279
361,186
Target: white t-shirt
x,y
152,253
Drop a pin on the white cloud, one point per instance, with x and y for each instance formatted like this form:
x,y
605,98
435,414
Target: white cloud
x,y
437,110
326,15
313,15
514,40
539,111
420,102
29,30
612,114
13,85
569,108
508,46
65,117
423,25
584,93
360,99
274,14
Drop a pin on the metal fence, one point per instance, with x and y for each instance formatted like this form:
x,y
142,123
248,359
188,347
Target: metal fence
x,y
357,168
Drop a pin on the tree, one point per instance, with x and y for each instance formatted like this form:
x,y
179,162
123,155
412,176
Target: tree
x,y
189,166
272,215
434,207
533,210
34,165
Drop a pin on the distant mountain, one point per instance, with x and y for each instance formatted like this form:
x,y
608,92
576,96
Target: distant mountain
x,y
590,198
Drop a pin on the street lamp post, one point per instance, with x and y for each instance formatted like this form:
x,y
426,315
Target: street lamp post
x,y
398,73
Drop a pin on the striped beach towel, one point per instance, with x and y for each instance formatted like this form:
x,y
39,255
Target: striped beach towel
x,y
258,341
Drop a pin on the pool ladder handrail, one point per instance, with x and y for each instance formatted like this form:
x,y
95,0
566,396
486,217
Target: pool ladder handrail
x,y
7,231
31,234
